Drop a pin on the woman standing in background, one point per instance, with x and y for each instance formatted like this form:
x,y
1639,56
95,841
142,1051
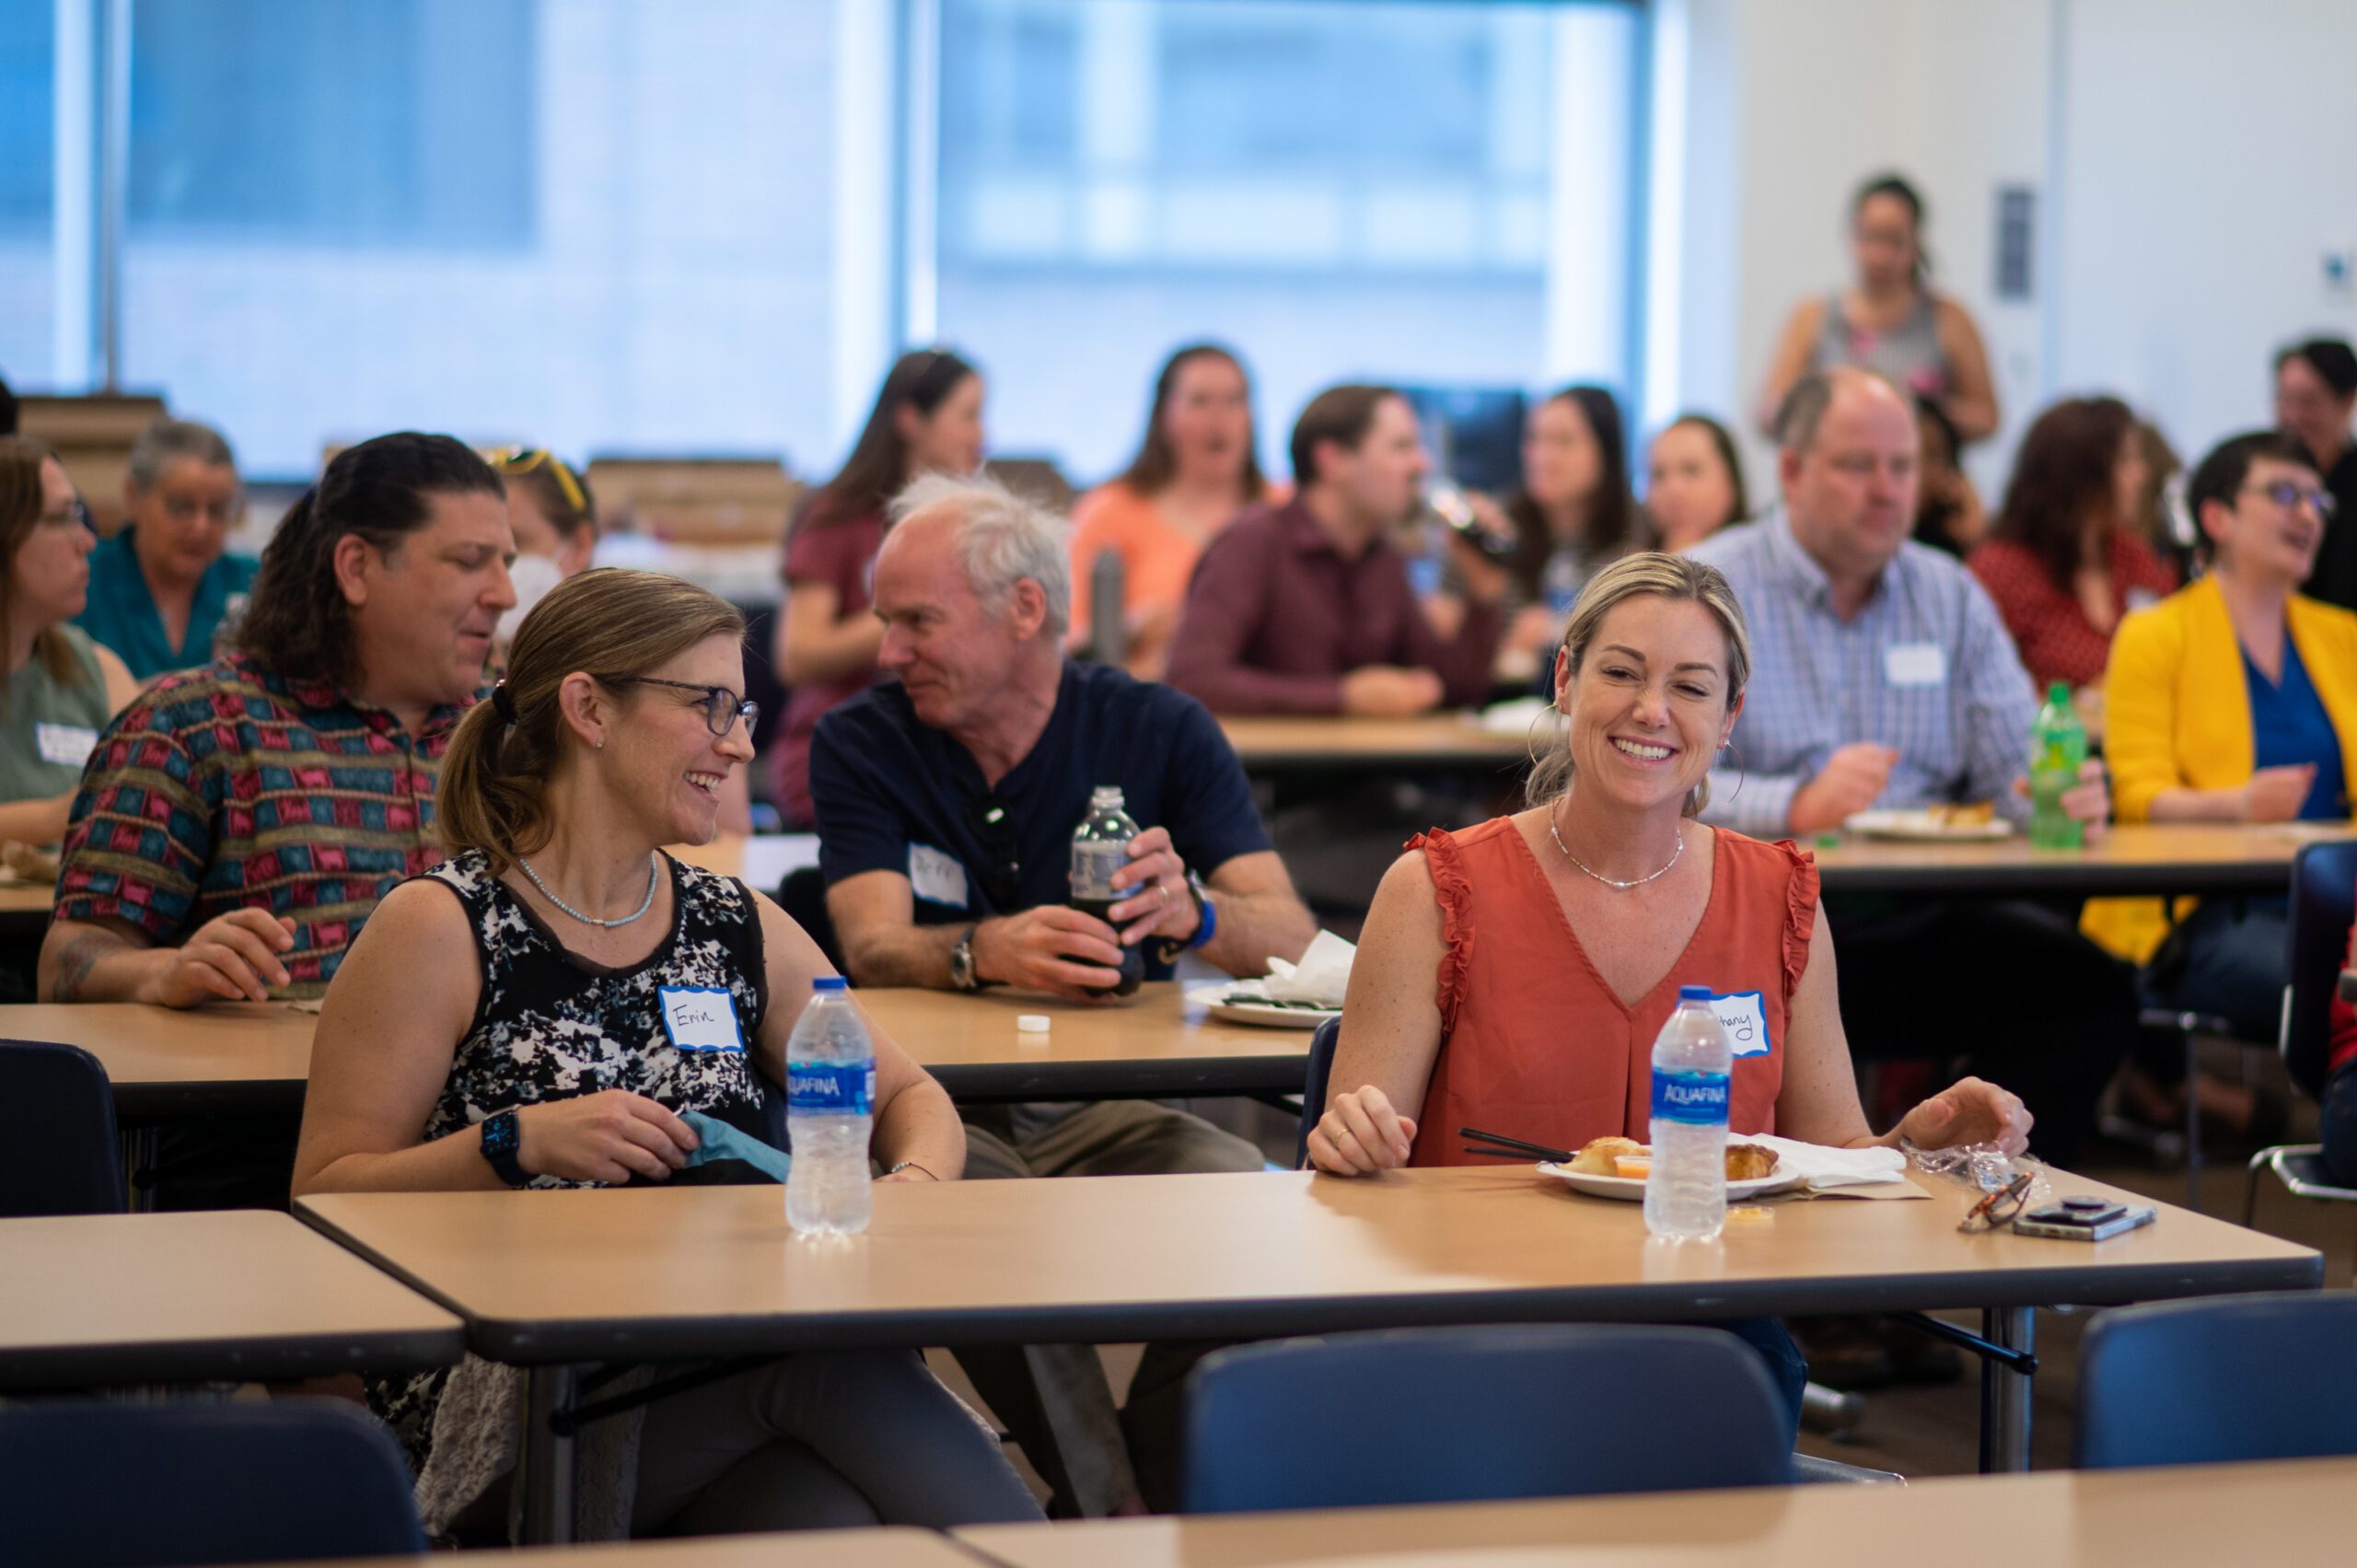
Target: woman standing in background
x,y
1889,320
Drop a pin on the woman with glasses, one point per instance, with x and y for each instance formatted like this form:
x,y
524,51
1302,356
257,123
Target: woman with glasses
x,y
927,419
63,686
2232,701
504,1020
163,587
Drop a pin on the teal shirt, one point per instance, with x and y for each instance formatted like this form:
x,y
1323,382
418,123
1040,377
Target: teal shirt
x,y
121,612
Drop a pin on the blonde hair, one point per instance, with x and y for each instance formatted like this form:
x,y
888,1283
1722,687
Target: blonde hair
x,y
1680,578
611,624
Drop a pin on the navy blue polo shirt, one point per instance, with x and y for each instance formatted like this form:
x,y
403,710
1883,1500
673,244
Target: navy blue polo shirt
x,y
893,793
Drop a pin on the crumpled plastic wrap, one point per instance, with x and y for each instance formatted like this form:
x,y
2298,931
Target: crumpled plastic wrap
x,y
1985,1168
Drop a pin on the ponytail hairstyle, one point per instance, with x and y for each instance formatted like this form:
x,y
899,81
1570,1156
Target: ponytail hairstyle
x,y
296,623
610,624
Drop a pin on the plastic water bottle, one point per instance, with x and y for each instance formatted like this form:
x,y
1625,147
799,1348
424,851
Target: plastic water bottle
x,y
1685,1191
2058,745
1100,847
830,1109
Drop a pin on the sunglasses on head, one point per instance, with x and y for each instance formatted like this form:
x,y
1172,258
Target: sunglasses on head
x,y
523,459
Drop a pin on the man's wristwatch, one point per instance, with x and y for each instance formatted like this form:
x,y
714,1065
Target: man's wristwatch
x,y
961,962
501,1139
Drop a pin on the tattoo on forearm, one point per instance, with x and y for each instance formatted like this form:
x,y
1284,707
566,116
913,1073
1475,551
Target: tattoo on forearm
x,y
75,964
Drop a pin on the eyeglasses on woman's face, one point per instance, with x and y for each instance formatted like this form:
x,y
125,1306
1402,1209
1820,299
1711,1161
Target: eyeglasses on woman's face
x,y
722,707
2289,494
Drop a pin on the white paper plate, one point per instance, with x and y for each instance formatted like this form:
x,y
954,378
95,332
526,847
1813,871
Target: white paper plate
x,y
1213,996
1918,824
1632,1189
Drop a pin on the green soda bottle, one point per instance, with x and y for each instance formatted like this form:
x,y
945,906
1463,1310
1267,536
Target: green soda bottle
x,y
2058,745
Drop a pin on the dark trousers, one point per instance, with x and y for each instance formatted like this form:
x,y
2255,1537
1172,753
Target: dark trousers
x,y
2011,990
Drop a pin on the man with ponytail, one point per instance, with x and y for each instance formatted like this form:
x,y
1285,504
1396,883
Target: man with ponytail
x,y
237,825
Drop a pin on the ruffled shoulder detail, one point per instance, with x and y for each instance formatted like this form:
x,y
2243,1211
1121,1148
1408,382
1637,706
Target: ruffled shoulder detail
x,y
1800,912
1454,889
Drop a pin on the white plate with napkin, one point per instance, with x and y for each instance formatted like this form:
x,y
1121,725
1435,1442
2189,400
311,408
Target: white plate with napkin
x,y
1291,996
1813,1167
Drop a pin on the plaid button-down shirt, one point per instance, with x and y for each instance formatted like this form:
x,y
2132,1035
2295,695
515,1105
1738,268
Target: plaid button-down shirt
x,y
1925,666
231,787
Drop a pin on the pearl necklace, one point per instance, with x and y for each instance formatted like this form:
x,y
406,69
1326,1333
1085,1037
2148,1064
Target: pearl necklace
x,y
654,867
1617,886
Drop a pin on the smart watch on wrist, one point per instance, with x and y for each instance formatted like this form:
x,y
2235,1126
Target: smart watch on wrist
x,y
1206,922
501,1139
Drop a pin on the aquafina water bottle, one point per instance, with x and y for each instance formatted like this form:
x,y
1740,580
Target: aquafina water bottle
x,y
1685,1191
830,1109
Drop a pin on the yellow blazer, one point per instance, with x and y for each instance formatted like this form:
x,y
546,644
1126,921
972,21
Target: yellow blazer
x,y
2177,716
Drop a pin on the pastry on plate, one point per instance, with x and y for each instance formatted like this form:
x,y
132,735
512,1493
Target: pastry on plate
x,y
1747,1162
1601,1155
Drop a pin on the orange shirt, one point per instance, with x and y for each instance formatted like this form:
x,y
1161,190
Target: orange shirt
x,y
1535,1045
1156,559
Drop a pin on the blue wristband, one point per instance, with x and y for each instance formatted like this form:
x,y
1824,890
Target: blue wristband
x,y
1210,913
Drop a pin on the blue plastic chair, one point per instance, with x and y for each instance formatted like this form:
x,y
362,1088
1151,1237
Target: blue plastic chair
x,y
1465,1415
2270,1376
1312,1086
59,1156
2324,905
103,1485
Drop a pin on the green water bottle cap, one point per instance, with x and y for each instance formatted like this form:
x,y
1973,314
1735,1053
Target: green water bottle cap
x,y
2059,693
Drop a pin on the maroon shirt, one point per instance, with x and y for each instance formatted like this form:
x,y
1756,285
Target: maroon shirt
x,y
1275,617
838,551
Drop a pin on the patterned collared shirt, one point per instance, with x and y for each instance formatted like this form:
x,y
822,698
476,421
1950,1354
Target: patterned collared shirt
x,y
231,787
1924,666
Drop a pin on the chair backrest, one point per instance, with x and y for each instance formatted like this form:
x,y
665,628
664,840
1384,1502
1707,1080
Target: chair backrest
x,y
2228,1377
1313,1087
803,895
1464,1415
59,1156
2324,903
147,1486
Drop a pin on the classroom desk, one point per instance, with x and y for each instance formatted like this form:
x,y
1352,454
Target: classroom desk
x,y
552,1280
2286,1511
254,1056
1443,743
230,1294
2180,859
24,907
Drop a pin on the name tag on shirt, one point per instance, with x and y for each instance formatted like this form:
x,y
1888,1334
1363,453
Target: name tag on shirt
x,y
700,1017
938,879
1744,1015
1915,664
66,743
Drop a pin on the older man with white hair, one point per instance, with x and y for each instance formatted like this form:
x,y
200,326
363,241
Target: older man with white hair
x,y
946,800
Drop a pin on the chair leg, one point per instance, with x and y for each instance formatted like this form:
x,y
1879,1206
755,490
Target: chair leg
x,y
2250,1185
2192,1125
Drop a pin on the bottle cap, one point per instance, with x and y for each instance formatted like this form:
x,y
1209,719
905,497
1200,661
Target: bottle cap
x,y
829,982
1693,993
1032,1023
2059,693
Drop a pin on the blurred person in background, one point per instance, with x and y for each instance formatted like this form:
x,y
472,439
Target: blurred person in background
x,y
63,686
1693,482
1948,515
1889,320
927,419
1197,468
2063,561
161,589
2315,396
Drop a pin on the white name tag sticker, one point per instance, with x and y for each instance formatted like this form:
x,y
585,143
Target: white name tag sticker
x,y
66,743
701,1017
1744,1015
937,878
1915,664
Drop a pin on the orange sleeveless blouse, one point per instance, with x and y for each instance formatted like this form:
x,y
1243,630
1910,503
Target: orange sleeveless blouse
x,y
1535,1045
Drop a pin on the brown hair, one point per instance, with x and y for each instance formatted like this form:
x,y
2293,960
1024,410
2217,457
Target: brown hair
x,y
1614,524
21,460
1341,415
610,624
296,622
1157,460
1678,578
2063,475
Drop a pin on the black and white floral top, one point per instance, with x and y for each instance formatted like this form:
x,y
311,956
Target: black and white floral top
x,y
552,1026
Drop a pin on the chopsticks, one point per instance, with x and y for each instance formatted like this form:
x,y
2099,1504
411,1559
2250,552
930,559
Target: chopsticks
x,y
1511,1148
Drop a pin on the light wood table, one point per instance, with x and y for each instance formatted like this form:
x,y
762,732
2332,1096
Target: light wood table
x,y
231,1295
2285,1512
1154,1045
227,1057
552,1280
1447,742
24,907
2171,861
879,1548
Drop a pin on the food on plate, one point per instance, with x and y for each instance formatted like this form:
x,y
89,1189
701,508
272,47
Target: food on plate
x,y
1979,814
1633,1168
1747,1162
1597,1158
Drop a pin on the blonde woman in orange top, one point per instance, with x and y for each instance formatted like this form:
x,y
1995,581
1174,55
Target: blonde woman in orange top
x,y
1197,469
1513,976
